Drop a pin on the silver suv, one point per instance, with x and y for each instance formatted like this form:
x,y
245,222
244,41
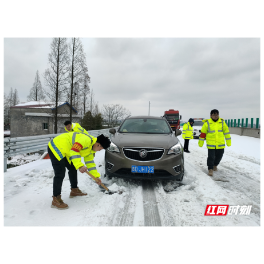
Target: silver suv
x,y
145,147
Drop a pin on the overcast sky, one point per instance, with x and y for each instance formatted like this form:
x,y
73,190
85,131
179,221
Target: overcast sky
x,y
192,75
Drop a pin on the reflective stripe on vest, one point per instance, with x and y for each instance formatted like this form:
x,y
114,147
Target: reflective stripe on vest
x,y
211,146
221,145
81,129
87,136
93,168
228,138
75,157
86,162
226,133
56,149
209,131
73,138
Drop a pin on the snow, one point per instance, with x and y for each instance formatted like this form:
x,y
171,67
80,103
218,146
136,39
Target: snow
x,y
23,159
31,103
36,103
28,192
7,132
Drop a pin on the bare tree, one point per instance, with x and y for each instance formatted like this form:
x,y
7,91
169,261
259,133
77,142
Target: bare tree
x,y
77,66
85,92
10,100
56,77
113,114
13,98
6,110
36,92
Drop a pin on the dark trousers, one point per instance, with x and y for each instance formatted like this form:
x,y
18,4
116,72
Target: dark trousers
x,y
59,169
186,144
214,157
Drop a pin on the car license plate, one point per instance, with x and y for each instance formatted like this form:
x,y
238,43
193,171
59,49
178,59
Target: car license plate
x,y
142,169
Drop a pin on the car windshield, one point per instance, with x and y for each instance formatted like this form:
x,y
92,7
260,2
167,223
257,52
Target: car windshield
x,y
198,123
146,125
174,117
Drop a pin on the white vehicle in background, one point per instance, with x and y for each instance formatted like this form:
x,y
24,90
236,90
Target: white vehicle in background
x,y
197,126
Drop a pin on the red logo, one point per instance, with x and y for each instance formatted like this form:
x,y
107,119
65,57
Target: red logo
x,y
213,209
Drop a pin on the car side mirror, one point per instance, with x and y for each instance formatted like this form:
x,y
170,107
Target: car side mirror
x,y
180,117
112,131
178,132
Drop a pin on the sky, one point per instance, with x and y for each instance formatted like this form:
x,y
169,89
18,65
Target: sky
x,y
192,75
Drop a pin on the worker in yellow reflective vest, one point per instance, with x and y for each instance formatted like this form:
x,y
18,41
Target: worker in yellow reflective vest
x,y
74,127
187,134
215,131
65,151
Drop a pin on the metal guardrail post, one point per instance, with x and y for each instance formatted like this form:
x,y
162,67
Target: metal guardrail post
x,y
246,122
257,123
242,125
4,164
231,122
252,122
234,122
238,122
228,122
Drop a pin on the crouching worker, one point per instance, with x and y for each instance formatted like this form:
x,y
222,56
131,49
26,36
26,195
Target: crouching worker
x,y
65,151
74,127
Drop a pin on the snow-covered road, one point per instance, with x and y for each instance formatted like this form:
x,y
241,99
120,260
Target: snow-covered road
x,y
28,194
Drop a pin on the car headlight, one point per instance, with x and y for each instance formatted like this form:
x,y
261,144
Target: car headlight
x,y
176,149
113,148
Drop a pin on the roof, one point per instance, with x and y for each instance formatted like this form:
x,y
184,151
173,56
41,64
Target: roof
x,y
41,104
143,116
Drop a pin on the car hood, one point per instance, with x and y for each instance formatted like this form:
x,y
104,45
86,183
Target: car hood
x,y
165,141
197,127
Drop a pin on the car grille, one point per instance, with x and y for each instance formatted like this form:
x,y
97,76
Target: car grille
x,y
152,154
157,173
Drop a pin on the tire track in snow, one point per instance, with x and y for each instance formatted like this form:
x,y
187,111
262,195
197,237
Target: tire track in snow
x,y
124,209
151,212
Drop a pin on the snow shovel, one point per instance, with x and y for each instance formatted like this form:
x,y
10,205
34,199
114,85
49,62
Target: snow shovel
x,y
108,191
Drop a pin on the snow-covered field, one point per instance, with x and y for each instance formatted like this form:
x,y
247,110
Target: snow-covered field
x,y
28,193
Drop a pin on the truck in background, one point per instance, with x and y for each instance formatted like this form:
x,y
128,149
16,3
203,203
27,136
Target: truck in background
x,y
197,126
173,118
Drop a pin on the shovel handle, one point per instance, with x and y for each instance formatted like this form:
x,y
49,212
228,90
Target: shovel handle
x,y
100,184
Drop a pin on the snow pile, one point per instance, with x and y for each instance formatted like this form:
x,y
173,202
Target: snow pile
x,y
22,159
117,189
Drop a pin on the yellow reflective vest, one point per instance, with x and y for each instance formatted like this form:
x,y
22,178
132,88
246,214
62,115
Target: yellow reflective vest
x,y
73,146
216,134
187,131
76,128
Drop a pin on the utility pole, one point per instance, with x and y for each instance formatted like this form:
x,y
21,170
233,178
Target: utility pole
x,y
149,107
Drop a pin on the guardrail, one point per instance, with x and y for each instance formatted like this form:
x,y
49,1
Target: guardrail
x,y
21,145
233,123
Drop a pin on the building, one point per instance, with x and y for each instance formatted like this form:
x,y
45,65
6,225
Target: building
x,y
37,118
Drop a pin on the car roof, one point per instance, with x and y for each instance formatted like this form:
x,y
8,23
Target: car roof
x,y
150,117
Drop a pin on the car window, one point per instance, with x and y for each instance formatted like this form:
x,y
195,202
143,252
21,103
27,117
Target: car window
x,y
198,123
140,125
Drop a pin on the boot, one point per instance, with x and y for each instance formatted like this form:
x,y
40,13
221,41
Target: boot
x,y
215,168
58,203
210,172
76,192
187,151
